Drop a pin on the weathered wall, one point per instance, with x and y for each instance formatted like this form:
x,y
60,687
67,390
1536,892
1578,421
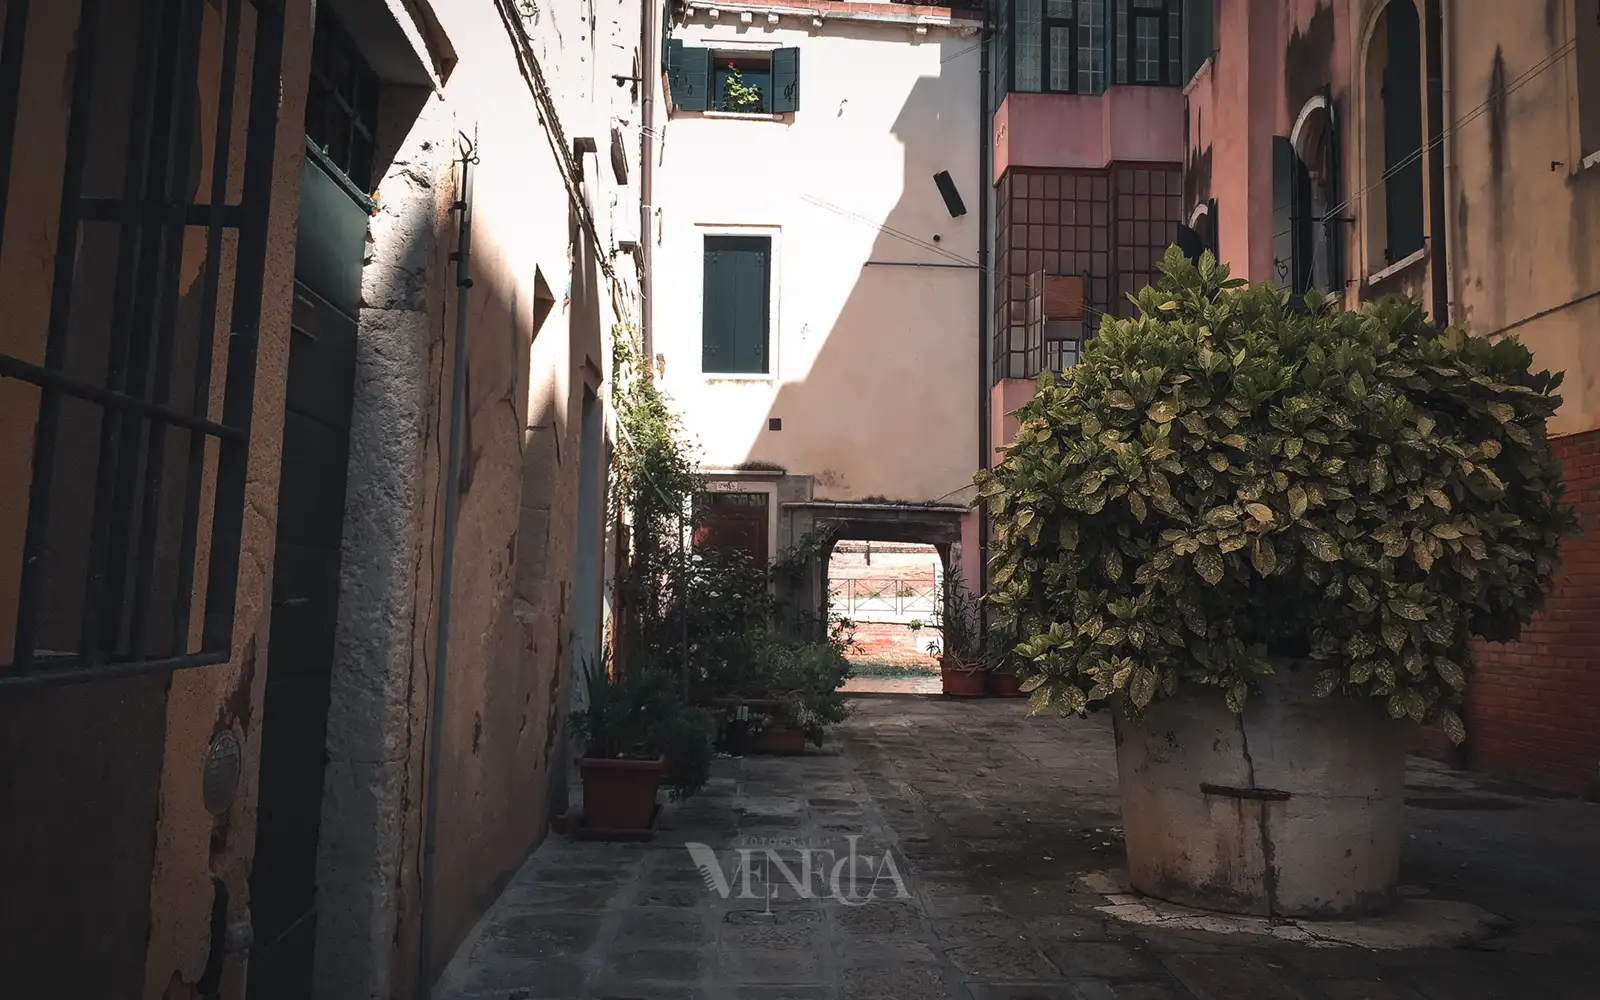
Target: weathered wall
x,y
1524,213
874,366
110,856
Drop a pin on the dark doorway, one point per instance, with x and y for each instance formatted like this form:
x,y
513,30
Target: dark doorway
x,y
305,587
305,601
734,522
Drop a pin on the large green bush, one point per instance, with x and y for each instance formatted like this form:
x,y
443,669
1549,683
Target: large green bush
x,y
1228,478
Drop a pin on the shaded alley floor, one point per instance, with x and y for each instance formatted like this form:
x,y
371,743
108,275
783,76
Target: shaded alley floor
x,y
1002,831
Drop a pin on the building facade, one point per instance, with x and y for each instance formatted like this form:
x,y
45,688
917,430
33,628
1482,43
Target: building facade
x,y
303,380
1443,149
816,268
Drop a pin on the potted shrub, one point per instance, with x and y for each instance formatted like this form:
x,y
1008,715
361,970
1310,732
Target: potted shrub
x,y
961,660
637,734
790,696
1263,533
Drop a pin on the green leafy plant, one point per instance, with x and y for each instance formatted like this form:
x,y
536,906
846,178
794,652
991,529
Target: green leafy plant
x,y
959,619
738,95
640,715
804,678
1227,479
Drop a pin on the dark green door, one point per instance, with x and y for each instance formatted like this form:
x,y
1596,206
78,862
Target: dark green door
x,y
305,587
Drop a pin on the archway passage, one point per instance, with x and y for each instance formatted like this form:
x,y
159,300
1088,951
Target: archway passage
x,y
916,545
890,591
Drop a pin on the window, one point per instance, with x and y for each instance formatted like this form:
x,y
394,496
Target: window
x,y
341,102
1397,48
703,79
1054,46
1587,56
736,315
135,506
1150,42
1306,231
1198,40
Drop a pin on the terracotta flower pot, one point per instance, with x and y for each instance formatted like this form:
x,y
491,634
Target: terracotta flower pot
x,y
961,680
619,797
776,740
1004,684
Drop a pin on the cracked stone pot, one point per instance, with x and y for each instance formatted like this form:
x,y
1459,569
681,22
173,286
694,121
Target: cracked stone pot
x,y
1293,809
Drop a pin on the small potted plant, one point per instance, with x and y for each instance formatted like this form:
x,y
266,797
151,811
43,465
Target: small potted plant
x,y
1265,534
738,95
793,697
961,666
637,734
1000,675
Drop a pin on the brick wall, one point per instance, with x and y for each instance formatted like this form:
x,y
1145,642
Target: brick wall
x,y
1533,707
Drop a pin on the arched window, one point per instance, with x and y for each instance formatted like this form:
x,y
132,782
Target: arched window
x,y
1393,109
1306,228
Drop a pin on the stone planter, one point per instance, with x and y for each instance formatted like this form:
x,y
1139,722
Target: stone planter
x,y
1294,809
776,740
961,680
619,797
1003,684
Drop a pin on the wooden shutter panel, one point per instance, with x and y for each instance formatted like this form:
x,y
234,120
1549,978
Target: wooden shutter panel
x,y
1402,132
688,76
785,81
1284,264
1587,57
736,315
1214,234
1332,244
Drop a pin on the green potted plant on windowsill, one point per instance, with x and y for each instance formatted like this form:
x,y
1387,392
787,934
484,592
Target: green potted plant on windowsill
x,y
738,96
638,733
1264,535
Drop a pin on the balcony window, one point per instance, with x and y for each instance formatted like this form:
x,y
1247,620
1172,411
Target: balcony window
x,y
1050,46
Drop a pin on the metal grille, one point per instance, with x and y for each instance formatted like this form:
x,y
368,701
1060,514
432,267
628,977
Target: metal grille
x,y
155,289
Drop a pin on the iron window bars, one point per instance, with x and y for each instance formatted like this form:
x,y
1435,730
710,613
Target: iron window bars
x,y
146,62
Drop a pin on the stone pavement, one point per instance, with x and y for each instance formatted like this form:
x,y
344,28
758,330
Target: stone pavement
x,y
1002,830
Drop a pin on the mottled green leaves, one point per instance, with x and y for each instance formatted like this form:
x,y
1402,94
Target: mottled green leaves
x,y
1209,564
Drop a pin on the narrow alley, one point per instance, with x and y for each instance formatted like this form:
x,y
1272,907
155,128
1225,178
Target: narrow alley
x,y
1004,831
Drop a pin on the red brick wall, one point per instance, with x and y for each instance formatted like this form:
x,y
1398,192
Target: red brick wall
x,y
1533,706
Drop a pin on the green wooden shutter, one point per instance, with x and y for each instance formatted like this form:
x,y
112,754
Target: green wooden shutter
x,y
785,81
1284,264
1402,132
688,76
736,315
1198,41
1331,233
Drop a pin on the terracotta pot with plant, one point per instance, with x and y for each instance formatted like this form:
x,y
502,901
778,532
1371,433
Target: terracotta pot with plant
x,y
959,620
637,733
1265,532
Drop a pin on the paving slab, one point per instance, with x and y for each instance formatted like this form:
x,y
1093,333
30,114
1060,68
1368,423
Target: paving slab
x,y
988,866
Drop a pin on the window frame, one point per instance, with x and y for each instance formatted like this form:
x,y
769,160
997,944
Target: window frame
x,y
134,423
773,235
1124,40
774,105
1006,49
1586,60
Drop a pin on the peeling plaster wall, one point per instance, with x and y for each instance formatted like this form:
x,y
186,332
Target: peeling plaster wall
x,y
511,615
109,854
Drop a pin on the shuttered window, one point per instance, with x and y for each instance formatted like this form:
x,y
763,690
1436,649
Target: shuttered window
x,y
1292,246
1402,132
737,312
1587,57
701,79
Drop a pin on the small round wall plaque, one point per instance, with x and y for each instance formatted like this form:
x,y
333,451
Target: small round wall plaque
x,y
221,773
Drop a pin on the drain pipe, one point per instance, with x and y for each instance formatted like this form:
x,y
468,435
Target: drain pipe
x,y
452,510
650,71
984,448
1438,271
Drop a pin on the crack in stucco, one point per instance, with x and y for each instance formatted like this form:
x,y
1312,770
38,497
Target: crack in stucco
x,y
1269,869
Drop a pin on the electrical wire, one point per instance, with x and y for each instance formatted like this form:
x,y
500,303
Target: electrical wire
x,y
933,248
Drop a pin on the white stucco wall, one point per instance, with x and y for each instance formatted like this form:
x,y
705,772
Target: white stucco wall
x,y
874,367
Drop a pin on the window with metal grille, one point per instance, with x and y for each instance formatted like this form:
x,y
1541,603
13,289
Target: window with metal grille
x,y
342,101
138,448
